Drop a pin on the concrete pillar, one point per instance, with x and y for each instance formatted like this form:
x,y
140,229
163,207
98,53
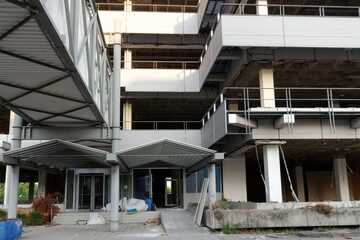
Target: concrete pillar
x,y
42,184
115,169
212,184
14,170
31,190
128,6
8,168
267,92
272,173
234,179
341,179
262,8
127,59
127,116
300,189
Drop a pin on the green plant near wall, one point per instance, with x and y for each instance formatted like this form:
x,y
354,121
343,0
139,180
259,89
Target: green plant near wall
x,y
230,229
3,214
223,205
36,218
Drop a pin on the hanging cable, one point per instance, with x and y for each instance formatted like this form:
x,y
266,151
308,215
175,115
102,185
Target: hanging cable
x,y
287,172
261,173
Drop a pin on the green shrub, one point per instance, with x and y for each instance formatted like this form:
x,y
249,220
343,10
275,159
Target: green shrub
x,y
230,229
3,213
36,218
321,229
222,205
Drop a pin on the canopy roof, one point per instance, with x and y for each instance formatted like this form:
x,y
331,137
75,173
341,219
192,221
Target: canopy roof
x,y
56,155
165,153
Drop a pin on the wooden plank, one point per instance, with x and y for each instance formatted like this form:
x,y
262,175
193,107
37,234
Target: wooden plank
x,y
201,204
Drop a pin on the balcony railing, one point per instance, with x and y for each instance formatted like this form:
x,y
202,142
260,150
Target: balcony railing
x,y
161,125
280,10
325,103
147,7
163,64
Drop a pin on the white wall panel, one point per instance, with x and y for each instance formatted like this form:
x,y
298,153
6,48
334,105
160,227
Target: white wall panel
x,y
138,137
160,80
291,31
151,22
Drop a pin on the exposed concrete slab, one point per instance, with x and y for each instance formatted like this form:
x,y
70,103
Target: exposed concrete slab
x,y
180,222
277,218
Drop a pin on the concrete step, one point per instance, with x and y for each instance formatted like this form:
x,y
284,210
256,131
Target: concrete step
x,y
139,217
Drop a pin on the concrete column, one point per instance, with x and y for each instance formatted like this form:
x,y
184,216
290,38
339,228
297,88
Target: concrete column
x,y
31,190
300,189
42,184
267,92
127,116
127,59
14,170
115,169
212,184
262,8
8,168
234,179
341,179
128,6
272,173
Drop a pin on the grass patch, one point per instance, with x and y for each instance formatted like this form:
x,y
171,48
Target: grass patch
x,y
230,229
268,230
3,214
291,231
321,229
222,205
358,228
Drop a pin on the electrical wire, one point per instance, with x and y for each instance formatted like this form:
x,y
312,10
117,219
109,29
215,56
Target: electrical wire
x,y
287,172
261,173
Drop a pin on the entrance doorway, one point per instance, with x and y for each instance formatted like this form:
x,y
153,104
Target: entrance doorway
x,y
167,187
91,191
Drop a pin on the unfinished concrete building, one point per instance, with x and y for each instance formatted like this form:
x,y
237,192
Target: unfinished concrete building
x,y
147,98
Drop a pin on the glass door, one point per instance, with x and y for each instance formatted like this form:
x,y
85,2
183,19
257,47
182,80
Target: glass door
x,y
84,192
171,192
91,191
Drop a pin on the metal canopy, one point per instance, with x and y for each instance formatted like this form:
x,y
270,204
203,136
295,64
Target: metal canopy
x,y
38,79
165,153
56,155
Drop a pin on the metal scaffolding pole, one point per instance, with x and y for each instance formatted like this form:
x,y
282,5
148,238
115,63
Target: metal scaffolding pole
x,y
115,169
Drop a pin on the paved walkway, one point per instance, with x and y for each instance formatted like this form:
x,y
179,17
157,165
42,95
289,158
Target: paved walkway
x,y
180,222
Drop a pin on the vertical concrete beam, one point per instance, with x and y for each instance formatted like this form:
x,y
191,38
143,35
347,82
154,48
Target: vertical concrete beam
x,y
272,173
341,179
127,59
212,184
262,8
31,190
115,169
127,116
299,174
234,179
42,184
14,170
8,168
128,6
267,92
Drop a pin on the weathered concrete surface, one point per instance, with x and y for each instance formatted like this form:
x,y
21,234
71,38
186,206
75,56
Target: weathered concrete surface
x,y
180,222
282,218
140,217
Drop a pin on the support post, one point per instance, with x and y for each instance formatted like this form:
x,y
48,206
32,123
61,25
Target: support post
x,y
31,190
234,178
42,184
8,168
212,184
341,179
127,116
272,173
262,8
15,170
184,187
115,169
267,92
300,189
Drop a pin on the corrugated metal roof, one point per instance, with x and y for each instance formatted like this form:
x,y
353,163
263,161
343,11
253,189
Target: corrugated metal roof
x,y
165,151
59,154
34,82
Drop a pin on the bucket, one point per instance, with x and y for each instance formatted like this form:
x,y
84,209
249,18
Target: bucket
x,y
19,227
148,202
3,230
11,228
